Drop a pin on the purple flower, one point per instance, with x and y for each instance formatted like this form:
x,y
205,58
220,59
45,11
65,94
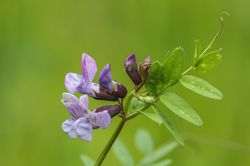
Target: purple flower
x,y
105,90
131,68
83,121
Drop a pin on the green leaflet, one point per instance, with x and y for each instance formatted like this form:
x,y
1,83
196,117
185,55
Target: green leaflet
x,y
201,87
208,61
168,124
144,141
181,108
152,116
197,50
173,66
122,153
166,74
87,161
165,162
158,154
155,81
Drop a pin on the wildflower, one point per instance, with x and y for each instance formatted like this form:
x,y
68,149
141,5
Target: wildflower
x,y
131,68
84,121
107,89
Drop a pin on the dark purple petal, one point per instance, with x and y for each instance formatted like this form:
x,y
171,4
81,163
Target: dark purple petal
x,y
105,78
132,69
72,104
83,129
72,82
121,91
68,128
113,110
100,119
89,69
102,94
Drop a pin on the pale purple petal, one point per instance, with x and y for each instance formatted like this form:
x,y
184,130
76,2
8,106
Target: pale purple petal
x,y
89,69
84,103
72,104
72,81
84,88
68,128
100,119
105,77
83,129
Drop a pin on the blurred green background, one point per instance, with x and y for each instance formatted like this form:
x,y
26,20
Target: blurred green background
x,y
40,41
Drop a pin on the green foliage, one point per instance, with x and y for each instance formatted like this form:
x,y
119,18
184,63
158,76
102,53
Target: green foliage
x,y
197,51
87,161
143,141
152,116
166,74
201,87
181,108
163,76
144,144
155,81
135,104
173,67
208,61
168,124
122,153
158,153
165,162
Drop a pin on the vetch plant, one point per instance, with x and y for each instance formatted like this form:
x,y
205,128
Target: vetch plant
x,y
152,83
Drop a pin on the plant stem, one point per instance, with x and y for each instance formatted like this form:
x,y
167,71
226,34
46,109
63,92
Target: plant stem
x,y
110,143
214,38
185,72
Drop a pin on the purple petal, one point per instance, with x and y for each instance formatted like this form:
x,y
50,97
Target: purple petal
x,y
83,129
72,104
100,119
84,103
89,69
68,128
105,78
113,110
84,88
131,60
72,81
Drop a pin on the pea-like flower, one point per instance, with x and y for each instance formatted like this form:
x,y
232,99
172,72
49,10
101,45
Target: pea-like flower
x,y
107,89
84,121
131,68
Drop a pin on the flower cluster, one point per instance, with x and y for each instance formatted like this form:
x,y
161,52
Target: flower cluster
x,y
83,121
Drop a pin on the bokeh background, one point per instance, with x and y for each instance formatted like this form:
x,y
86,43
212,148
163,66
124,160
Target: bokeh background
x,y
40,41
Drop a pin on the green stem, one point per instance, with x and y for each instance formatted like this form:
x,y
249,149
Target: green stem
x,y
214,38
185,72
110,143
129,98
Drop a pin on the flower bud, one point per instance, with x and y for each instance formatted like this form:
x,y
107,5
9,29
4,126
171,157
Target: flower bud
x,y
104,95
118,91
144,67
132,69
113,110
